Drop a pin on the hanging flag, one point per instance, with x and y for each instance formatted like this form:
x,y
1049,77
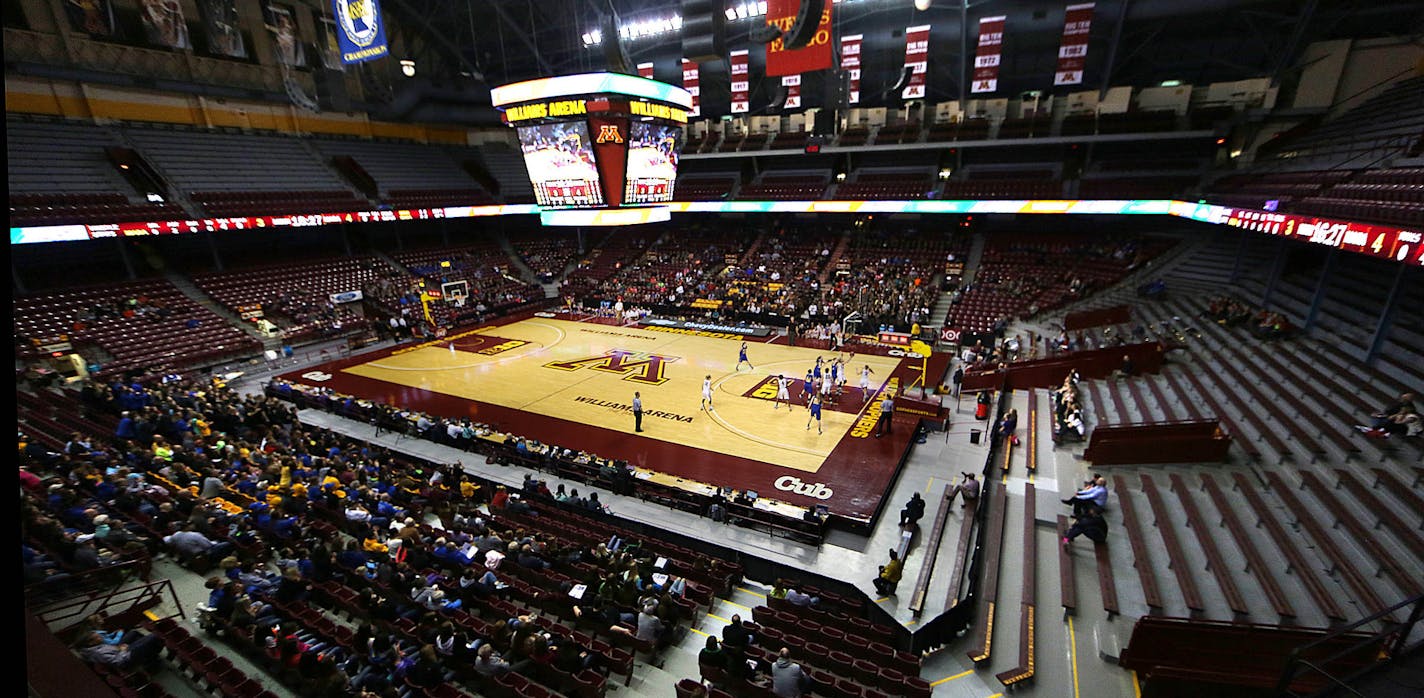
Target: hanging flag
x,y
792,83
917,58
741,87
1073,51
850,65
814,56
646,70
362,37
690,83
986,58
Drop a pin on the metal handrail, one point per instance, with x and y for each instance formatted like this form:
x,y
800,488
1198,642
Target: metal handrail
x,y
1396,649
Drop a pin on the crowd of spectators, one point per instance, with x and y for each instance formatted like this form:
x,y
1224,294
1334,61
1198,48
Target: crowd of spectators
x,y
1264,324
1068,410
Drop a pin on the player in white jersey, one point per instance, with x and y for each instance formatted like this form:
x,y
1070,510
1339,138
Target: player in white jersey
x,y
782,393
827,385
707,393
865,382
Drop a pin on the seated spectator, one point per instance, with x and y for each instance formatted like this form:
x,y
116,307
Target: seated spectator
x,y
136,652
1094,493
1124,370
969,489
889,576
1091,524
788,680
796,598
488,663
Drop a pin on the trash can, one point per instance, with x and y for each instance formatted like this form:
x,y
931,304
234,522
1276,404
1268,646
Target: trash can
x,y
974,435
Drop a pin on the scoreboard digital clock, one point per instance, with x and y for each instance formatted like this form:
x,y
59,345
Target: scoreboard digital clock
x,y
597,141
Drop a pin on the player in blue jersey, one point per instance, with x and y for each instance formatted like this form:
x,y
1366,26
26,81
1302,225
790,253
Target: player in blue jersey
x,y
808,387
742,358
815,405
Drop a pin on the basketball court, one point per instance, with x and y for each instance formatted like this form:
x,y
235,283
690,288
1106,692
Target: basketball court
x,y
572,382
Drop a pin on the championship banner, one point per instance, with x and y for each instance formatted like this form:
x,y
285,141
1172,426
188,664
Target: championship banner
x,y
986,58
645,70
221,26
361,35
281,21
741,84
1073,51
850,65
93,17
690,81
814,56
163,24
917,58
792,83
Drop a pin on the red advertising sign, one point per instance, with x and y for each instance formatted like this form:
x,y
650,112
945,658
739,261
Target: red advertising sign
x,y
814,56
645,70
741,82
850,65
986,58
792,83
917,58
690,83
1073,51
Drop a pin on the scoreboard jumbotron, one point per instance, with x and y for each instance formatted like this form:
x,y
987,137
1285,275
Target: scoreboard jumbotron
x,y
600,148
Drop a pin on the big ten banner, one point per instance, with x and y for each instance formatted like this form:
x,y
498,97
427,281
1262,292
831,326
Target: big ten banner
x,y
986,58
792,83
1073,51
691,83
816,55
163,24
221,27
610,152
361,35
93,17
645,70
282,22
741,82
850,65
917,59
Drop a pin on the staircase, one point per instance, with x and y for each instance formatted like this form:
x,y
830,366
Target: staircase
x,y
753,249
196,294
976,255
836,256
940,312
391,261
326,162
176,195
526,274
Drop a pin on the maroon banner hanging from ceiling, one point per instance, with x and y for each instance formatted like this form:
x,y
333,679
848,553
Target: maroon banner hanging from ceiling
x,y
645,70
690,83
986,58
814,56
850,65
792,83
741,82
1073,51
917,59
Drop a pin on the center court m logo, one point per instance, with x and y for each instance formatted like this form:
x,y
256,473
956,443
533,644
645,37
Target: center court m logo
x,y
790,483
636,366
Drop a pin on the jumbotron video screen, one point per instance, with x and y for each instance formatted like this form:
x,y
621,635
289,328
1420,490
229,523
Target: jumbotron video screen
x,y
652,163
561,167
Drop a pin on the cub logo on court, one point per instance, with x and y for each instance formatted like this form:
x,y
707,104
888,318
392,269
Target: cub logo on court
x,y
636,366
790,483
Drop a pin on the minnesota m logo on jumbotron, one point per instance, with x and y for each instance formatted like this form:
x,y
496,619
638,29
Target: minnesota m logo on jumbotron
x,y
636,366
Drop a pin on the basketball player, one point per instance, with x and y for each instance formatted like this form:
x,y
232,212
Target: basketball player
x,y
865,383
782,394
807,388
742,358
836,373
707,393
827,385
815,407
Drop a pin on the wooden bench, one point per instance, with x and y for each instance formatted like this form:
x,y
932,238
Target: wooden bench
x,y
1288,391
1176,559
1008,453
961,552
946,504
1400,492
1141,562
1385,515
1341,563
1298,432
1270,436
1123,416
1158,442
1100,415
1215,563
1031,463
1183,401
1388,561
1255,564
1107,586
1028,602
1303,568
1143,408
1067,587
984,642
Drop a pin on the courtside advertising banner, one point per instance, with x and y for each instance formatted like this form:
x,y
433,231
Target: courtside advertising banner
x,y
986,58
690,82
1073,51
917,59
359,30
645,70
792,83
816,55
850,65
741,83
